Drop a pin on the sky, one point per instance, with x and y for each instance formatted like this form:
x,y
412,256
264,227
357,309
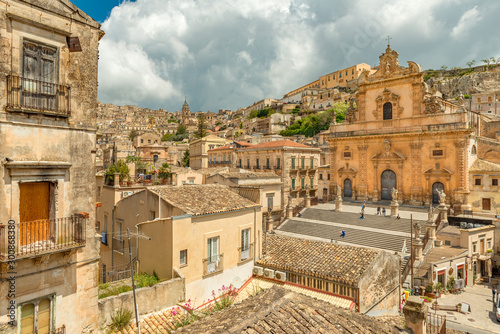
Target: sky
x,y
228,54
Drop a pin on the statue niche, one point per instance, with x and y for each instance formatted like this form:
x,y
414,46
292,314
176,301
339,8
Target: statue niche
x,y
387,105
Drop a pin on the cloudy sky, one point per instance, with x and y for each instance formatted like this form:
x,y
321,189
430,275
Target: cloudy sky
x,y
226,54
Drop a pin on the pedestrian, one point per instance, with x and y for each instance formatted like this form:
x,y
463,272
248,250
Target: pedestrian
x,y
299,215
378,210
398,216
342,235
362,215
363,206
494,292
383,211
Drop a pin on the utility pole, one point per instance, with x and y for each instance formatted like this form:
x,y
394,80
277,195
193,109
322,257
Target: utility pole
x,y
411,256
133,284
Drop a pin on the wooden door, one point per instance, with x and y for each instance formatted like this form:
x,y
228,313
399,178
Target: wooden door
x,y
34,212
481,246
486,204
388,181
347,188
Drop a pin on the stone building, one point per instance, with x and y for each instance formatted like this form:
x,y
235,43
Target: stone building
x,y
209,233
369,277
402,135
48,242
198,150
295,163
486,102
269,183
225,156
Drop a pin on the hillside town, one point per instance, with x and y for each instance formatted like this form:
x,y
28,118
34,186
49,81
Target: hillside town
x,y
364,201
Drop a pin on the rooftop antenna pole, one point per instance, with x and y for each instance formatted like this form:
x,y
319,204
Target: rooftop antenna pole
x,y
133,284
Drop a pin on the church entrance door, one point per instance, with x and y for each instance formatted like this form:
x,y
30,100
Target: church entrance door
x,y
435,195
388,181
347,188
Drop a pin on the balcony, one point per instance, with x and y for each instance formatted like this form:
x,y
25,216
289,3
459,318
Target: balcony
x,y
40,237
277,167
256,167
246,253
35,96
213,264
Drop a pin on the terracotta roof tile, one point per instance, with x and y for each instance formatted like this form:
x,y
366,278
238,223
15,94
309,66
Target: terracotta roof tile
x,y
316,258
481,165
278,310
203,199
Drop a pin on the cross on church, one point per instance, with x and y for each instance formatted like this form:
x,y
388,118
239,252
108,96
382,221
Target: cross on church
x,y
388,40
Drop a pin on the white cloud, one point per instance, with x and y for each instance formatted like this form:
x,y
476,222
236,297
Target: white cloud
x,y
466,22
230,53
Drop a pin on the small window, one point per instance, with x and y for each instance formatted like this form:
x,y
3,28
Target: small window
x,y
36,316
489,243
347,154
293,184
152,214
494,182
312,182
474,247
293,163
477,182
447,243
321,176
328,176
303,183
278,162
437,153
312,162
142,141
387,110
149,141
184,257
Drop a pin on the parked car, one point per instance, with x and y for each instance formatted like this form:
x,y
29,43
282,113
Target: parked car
x,y
498,310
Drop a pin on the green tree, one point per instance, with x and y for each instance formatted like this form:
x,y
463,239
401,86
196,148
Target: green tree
x,y
181,129
164,171
253,114
119,167
166,137
444,67
185,159
471,63
132,135
202,127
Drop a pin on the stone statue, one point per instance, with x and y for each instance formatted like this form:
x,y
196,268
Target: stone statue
x,y
416,230
430,215
394,194
442,196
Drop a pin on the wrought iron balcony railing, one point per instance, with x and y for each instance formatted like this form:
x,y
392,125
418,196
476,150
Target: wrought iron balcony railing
x,y
39,237
29,95
246,253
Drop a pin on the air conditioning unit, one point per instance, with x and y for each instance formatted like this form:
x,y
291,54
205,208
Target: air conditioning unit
x,y
126,193
268,273
258,271
280,276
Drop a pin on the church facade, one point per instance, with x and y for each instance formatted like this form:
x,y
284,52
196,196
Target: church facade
x,y
401,134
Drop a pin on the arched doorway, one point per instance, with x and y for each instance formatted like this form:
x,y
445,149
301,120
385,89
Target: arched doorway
x,y
388,181
347,188
435,195
387,109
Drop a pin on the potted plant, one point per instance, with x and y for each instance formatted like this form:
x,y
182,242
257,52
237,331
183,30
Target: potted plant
x,y
459,306
119,167
164,173
435,305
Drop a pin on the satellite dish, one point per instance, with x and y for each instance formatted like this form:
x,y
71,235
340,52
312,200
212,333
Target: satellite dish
x,y
237,283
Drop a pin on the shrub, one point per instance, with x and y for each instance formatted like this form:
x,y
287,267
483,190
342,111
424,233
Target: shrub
x,y
116,290
429,287
143,280
451,283
121,168
103,286
120,319
466,96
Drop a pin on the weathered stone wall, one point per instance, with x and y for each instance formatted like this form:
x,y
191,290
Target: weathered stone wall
x,y
475,82
149,299
69,278
377,281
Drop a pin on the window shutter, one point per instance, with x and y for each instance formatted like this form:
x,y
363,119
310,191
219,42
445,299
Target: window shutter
x,y
44,316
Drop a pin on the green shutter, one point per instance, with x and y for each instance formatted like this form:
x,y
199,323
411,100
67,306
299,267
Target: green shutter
x,y
312,163
293,163
293,184
303,182
278,163
303,162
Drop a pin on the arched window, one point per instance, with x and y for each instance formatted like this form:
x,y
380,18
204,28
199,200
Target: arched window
x,y
474,150
388,110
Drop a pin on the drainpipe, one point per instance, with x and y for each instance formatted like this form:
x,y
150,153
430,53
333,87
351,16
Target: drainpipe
x,y
254,235
137,246
159,204
112,234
